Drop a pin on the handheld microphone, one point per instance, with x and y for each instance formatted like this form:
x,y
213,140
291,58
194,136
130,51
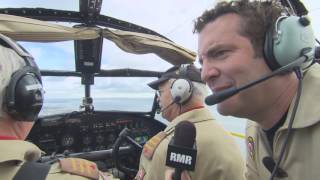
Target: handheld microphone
x,y
181,152
224,94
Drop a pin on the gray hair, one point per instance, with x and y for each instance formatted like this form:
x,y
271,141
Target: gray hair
x,y
200,90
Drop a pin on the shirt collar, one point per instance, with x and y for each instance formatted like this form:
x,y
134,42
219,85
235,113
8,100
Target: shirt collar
x,y
194,116
308,109
196,107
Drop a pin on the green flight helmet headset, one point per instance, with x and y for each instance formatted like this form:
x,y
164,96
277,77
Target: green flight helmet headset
x,y
288,39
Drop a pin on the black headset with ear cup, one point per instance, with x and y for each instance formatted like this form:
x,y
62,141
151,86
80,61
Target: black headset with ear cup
x,y
24,94
288,39
182,88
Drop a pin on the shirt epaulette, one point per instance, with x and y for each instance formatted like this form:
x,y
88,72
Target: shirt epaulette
x,y
79,167
152,144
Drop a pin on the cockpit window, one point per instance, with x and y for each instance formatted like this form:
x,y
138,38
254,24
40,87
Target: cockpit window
x,y
62,95
126,94
69,5
65,94
53,55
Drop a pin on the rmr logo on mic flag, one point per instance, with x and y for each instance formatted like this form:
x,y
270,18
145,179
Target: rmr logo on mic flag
x,y
181,157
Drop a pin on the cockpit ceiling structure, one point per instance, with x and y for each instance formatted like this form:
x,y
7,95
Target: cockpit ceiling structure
x,y
32,30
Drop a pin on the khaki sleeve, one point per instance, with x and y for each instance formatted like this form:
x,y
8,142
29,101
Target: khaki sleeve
x,y
73,169
141,171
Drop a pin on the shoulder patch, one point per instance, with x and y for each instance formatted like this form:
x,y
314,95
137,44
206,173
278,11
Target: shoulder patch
x,y
79,167
251,147
152,144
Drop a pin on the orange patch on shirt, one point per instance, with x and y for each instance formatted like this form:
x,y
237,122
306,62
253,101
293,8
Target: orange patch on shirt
x,y
152,144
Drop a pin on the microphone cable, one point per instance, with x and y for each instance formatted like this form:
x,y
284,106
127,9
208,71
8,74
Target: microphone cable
x,y
176,100
165,108
293,114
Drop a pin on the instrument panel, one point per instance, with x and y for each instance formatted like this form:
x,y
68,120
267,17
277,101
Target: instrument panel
x,y
84,132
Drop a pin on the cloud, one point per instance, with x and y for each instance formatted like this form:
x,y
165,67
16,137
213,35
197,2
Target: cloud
x,y
173,19
63,87
71,87
52,56
65,46
120,59
36,52
55,4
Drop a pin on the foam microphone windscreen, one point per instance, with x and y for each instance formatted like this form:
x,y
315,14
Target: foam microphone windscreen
x,y
185,134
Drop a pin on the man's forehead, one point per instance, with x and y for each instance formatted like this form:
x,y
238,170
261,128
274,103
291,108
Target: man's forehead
x,y
209,42
164,84
215,46
218,33
224,24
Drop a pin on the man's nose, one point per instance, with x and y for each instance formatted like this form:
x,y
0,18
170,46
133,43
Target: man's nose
x,y
208,71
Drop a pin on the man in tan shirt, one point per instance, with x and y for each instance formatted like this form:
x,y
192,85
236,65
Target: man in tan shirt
x,y
181,94
242,41
21,99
